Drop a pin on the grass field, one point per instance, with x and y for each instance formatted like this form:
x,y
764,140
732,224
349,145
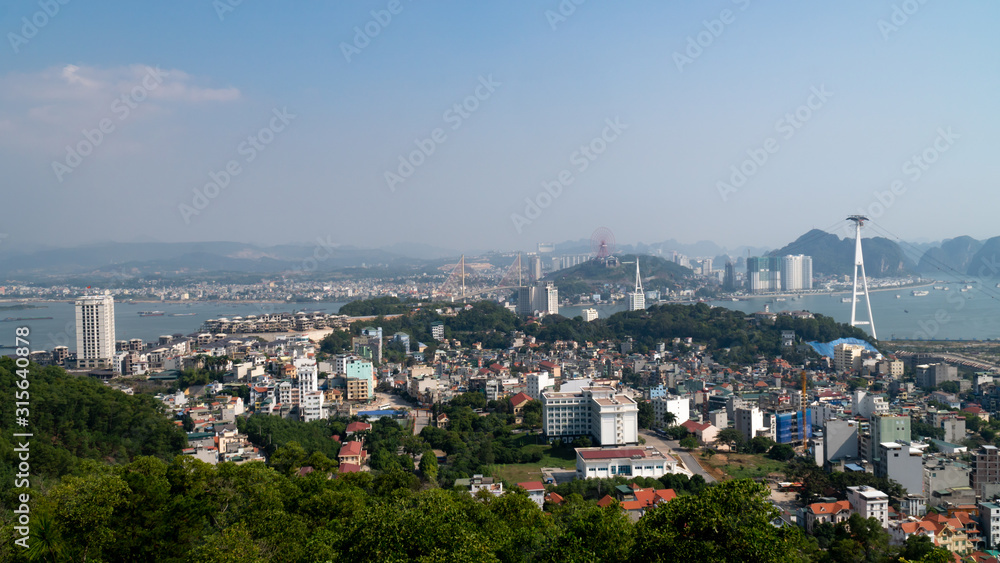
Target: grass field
x,y
738,466
564,457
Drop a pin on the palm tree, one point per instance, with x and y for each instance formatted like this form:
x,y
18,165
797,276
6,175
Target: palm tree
x,y
669,419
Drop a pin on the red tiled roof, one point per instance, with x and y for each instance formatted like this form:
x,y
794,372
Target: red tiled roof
x,y
829,507
349,468
358,427
532,486
519,399
351,449
613,454
554,498
606,501
693,426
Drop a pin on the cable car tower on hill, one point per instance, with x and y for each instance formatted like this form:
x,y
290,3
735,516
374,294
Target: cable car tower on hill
x,y
859,261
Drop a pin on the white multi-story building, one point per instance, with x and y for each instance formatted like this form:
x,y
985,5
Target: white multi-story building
x,y
311,406
537,384
989,523
542,298
749,422
612,420
679,406
606,463
796,272
869,502
95,331
589,314
847,356
866,404
307,373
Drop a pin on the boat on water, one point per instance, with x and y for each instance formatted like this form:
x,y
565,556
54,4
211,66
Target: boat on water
x,y
151,313
15,319
965,289
939,287
920,293
780,299
845,299
182,314
898,296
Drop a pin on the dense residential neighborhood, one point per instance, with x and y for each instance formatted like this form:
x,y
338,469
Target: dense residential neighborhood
x,y
833,429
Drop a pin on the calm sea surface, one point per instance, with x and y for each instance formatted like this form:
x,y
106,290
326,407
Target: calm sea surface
x,y
942,315
60,330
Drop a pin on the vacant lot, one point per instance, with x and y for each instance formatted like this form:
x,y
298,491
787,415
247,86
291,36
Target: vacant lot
x,y
737,466
562,456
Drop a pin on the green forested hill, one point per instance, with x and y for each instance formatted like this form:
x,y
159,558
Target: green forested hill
x,y
716,327
591,276
75,418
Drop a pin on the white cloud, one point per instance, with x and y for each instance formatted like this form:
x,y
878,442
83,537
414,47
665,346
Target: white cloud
x,y
47,108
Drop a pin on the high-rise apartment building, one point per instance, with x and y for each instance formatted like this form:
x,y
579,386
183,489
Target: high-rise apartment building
x,y
764,273
95,331
542,297
729,279
796,272
536,267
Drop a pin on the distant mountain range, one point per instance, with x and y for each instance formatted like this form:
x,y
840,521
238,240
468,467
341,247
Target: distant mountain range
x,y
961,256
832,255
164,259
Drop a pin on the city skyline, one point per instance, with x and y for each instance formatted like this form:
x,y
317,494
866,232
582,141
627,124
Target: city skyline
x,y
399,122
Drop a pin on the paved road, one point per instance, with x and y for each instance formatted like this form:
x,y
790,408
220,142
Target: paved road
x,y
673,447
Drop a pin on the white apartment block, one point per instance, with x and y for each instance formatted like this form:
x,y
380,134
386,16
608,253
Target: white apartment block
x,y
680,406
847,356
866,405
612,420
311,406
589,314
750,422
989,523
538,383
95,331
869,503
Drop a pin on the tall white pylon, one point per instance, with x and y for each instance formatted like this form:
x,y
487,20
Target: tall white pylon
x,y
859,261
637,299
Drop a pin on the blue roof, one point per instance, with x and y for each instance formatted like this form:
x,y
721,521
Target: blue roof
x,y
854,467
380,414
827,349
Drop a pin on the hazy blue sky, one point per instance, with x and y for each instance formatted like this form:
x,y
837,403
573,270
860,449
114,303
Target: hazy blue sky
x,y
338,109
